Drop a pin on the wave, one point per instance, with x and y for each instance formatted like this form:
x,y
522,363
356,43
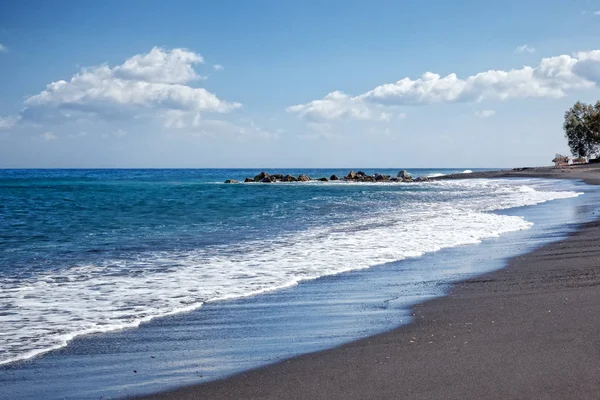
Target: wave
x,y
45,312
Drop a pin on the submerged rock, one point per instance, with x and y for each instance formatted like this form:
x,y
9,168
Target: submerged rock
x,y
231,181
323,179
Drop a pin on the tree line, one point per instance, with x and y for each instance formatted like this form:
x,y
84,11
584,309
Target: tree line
x,y
582,129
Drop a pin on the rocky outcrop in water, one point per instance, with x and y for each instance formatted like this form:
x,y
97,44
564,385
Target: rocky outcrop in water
x,y
261,176
289,178
359,176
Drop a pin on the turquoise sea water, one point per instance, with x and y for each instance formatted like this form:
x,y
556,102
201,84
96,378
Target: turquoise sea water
x,y
86,256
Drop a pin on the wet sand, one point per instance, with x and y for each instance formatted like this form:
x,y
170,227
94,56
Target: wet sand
x,y
530,330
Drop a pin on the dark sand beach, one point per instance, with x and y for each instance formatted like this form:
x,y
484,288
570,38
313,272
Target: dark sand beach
x,y
530,330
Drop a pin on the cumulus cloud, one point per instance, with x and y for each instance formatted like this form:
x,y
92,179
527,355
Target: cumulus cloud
x,y
3,48
218,67
485,113
144,85
553,77
160,66
588,65
525,49
338,105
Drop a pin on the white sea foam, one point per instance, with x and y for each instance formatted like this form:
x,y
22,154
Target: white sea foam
x,y
48,310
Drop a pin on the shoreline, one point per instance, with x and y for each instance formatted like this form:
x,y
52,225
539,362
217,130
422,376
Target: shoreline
x,y
589,173
510,333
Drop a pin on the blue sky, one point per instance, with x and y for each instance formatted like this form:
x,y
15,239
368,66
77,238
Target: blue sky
x,y
292,84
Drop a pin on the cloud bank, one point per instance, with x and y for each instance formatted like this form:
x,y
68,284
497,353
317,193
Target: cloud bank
x,y
144,85
553,77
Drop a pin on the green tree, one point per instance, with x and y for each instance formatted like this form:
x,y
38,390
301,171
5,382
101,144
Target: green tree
x,y
582,129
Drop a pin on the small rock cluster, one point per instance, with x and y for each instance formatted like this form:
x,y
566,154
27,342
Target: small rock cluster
x,y
360,176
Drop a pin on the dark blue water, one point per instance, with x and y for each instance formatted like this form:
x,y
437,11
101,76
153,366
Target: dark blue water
x,y
84,251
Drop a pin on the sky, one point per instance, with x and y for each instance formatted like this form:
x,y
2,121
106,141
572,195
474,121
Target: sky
x,y
266,84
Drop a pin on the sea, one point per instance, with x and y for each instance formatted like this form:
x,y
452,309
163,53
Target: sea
x,y
120,282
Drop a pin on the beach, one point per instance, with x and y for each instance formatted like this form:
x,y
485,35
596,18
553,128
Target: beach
x,y
182,285
529,330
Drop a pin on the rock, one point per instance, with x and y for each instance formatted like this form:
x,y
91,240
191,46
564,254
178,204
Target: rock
x,y
407,179
289,178
304,178
248,180
277,177
323,179
261,176
351,175
268,179
395,179
381,178
421,179
334,178
403,174
368,178
231,181
360,173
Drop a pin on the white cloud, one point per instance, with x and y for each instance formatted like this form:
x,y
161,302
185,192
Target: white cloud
x,y
49,136
525,49
338,105
3,48
145,85
9,122
552,78
588,65
485,113
597,12
160,66
218,67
